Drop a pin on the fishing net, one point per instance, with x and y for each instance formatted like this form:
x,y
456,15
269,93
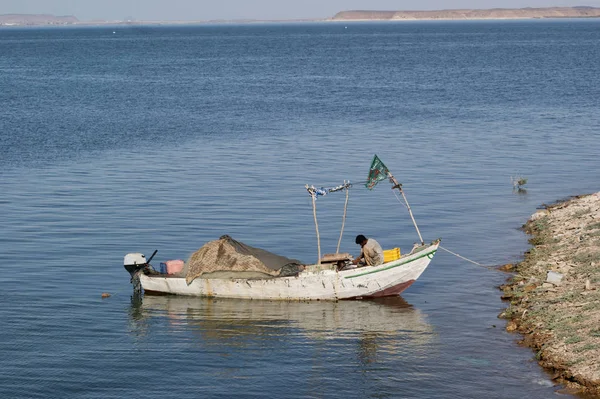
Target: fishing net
x,y
228,258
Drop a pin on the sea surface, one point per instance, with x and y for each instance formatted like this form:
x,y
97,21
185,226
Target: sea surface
x,y
131,138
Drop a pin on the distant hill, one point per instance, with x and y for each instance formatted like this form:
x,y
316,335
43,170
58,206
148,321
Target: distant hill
x,y
354,15
36,19
494,13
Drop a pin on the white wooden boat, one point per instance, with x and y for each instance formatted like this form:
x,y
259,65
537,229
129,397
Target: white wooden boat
x,y
316,282
323,281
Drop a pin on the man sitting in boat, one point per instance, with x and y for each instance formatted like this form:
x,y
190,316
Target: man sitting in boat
x,y
371,251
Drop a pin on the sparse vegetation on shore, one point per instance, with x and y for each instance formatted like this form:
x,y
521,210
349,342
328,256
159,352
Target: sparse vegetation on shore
x,y
554,295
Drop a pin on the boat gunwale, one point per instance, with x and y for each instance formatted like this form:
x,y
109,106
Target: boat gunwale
x,y
393,264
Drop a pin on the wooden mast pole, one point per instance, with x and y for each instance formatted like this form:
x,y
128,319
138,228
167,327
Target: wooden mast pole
x,y
343,221
399,187
314,204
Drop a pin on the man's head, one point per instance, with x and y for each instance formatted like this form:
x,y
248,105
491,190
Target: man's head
x,y
361,240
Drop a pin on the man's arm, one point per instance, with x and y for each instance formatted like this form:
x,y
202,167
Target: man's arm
x,y
358,258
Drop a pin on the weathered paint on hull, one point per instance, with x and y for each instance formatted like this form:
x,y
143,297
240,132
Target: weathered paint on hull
x,y
372,281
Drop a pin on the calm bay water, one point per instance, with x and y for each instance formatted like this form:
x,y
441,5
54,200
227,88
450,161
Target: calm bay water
x,y
127,139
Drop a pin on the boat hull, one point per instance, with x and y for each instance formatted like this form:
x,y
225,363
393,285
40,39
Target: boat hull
x,y
371,281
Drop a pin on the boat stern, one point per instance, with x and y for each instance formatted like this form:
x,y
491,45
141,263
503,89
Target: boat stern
x,y
134,263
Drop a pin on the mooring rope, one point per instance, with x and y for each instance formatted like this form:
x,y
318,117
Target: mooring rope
x,y
469,260
453,253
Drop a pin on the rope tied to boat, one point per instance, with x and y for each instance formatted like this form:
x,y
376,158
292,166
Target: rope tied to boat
x,y
469,260
454,253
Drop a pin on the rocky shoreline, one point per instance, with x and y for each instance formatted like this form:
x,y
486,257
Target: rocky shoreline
x,y
555,292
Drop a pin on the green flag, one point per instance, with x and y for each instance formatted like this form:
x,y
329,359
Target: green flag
x,y
377,173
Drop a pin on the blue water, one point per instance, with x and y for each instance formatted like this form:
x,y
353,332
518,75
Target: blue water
x,y
125,139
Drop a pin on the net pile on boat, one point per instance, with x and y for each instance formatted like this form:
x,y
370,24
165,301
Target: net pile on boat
x,y
228,258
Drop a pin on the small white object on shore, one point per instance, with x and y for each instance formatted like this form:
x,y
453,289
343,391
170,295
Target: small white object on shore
x,y
554,278
538,215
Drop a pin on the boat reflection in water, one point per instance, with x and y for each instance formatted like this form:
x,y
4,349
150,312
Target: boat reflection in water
x,y
389,325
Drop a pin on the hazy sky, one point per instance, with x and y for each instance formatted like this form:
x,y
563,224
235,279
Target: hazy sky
x,y
251,9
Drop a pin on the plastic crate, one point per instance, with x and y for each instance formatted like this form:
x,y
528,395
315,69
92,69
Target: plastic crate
x,y
390,255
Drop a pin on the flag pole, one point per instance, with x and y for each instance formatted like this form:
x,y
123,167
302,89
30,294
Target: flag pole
x,y
399,187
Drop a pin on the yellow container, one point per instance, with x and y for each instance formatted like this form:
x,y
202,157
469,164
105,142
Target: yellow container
x,y
391,255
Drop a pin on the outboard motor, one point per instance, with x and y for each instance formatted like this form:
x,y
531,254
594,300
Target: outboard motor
x,y
134,263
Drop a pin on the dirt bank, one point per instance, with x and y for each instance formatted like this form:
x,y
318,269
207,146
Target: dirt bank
x,y
561,320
